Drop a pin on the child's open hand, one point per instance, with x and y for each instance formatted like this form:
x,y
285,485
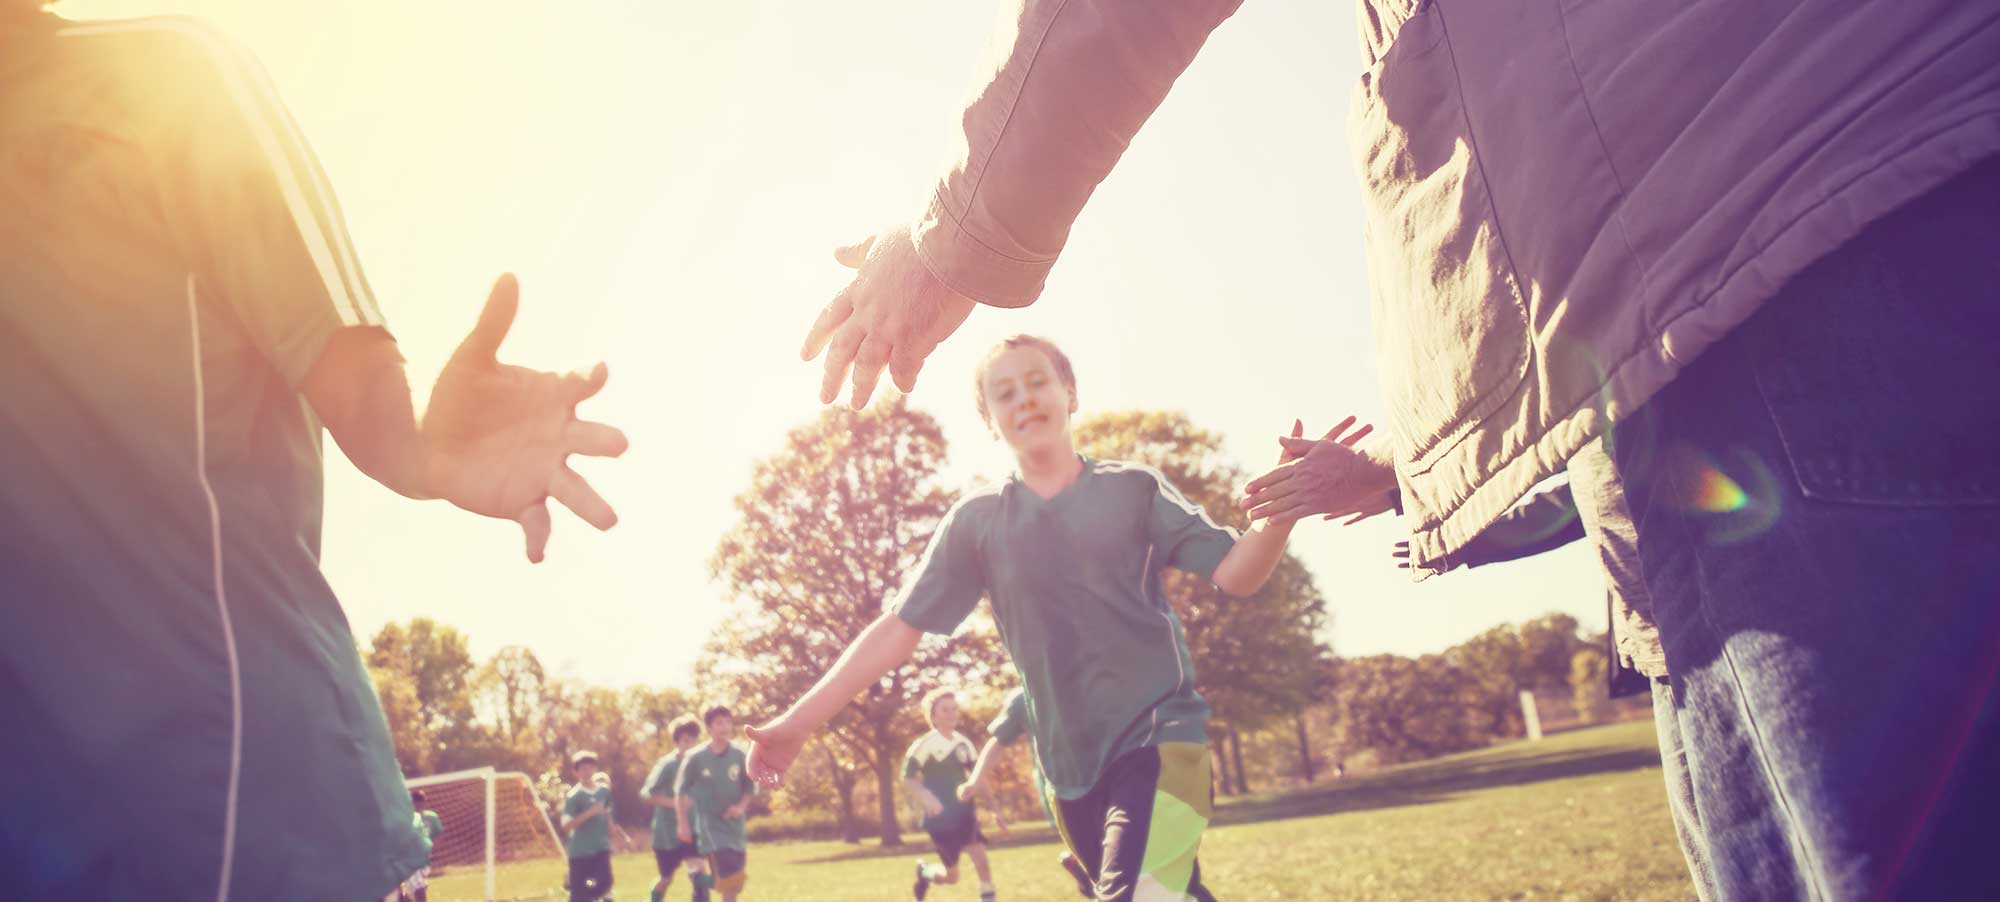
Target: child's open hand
x,y
773,748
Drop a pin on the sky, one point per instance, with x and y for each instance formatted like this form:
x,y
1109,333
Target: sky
x,y
668,179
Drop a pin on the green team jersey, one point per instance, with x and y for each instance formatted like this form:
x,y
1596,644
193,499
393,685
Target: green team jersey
x,y
1012,722
428,827
1075,587
172,264
941,763
660,782
712,781
591,836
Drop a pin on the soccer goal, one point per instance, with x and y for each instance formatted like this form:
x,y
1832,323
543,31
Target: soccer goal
x,y
490,817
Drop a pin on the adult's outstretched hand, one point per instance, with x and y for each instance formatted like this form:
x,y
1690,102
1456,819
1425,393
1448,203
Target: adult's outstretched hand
x,y
893,314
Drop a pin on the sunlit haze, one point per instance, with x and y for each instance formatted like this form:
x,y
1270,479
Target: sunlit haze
x,y
668,180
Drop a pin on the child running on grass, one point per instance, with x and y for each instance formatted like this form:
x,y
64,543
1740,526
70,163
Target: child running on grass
x,y
1070,551
712,795
1007,729
934,770
658,791
587,822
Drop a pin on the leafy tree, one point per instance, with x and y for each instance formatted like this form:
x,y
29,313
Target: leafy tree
x,y
826,532
1405,709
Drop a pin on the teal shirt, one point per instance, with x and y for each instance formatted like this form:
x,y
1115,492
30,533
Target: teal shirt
x,y
1075,588
660,781
1012,722
594,835
712,781
433,825
174,263
941,763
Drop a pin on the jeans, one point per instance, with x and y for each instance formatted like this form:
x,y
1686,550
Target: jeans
x,y
1817,500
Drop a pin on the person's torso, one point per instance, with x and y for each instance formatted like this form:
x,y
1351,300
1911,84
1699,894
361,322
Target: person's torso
x,y
1566,202
162,503
590,836
714,782
1074,583
942,763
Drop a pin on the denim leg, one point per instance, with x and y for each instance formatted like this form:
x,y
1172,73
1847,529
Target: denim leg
x,y
1680,792
1817,501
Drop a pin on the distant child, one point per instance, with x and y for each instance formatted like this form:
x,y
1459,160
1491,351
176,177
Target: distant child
x,y
713,794
587,821
934,769
428,827
658,791
1069,551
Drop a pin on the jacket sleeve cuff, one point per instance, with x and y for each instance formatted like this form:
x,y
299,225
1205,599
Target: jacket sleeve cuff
x,y
968,266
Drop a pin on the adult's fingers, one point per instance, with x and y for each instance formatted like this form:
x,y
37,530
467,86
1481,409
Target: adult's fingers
x,y
593,439
1275,476
574,493
869,360
534,520
853,255
483,342
1298,447
907,361
839,354
1334,433
1358,435
582,385
831,317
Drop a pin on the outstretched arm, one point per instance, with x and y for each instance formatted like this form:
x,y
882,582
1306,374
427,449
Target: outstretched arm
x,y
884,644
1051,121
496,438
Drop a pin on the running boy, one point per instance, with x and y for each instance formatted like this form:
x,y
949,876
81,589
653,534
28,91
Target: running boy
x,y
1070,552
1005,730
428,827
587,822
712,795
658,791
934,769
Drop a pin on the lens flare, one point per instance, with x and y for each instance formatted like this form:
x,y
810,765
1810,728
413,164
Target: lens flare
x,y
1738,499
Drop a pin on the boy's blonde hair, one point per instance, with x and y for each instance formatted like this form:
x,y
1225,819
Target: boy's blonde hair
x,y
931,699
1057,358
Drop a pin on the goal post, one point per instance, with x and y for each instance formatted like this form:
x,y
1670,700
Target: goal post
x,y
490,818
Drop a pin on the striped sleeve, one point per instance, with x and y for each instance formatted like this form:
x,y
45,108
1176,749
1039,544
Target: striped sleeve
x,y
1181,531
248,203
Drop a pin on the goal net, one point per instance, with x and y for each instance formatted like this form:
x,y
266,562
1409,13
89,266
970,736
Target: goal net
x,y
490,818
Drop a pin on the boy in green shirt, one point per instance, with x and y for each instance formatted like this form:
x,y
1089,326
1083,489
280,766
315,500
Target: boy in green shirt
x,y
1005,730
1070,552
711,796
934,769
658,791
587,821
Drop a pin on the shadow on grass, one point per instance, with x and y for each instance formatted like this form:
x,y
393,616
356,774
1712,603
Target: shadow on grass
x,y
1580,754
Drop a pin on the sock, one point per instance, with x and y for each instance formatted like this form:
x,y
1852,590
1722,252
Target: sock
x,y
934,871
701,883
986,892
659,893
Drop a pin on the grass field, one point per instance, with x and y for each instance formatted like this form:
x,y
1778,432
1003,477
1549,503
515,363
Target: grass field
x,y
1581,815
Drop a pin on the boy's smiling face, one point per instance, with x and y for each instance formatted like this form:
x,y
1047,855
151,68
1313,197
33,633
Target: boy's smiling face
x,y
1027,403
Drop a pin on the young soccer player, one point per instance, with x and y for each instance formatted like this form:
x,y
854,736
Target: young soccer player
x,y
658,791
712,794
587,822
1070,551
1007,729
934,769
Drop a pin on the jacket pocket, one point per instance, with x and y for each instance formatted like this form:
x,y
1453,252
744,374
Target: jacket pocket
x,y
1450,317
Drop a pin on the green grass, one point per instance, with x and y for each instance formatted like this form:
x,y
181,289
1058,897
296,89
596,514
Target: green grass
x,y
1577,816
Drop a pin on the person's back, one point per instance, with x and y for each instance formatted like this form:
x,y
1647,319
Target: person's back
x,y
163,491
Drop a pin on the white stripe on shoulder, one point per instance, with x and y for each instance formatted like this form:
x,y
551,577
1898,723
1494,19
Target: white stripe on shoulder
x,y
1166,487
250,90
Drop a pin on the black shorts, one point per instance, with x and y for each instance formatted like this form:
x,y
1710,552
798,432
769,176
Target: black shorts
x,y
953,836
589,877
727,862
669,860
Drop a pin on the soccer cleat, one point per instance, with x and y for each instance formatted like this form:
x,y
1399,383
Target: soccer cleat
x,y
923,884
1075,869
